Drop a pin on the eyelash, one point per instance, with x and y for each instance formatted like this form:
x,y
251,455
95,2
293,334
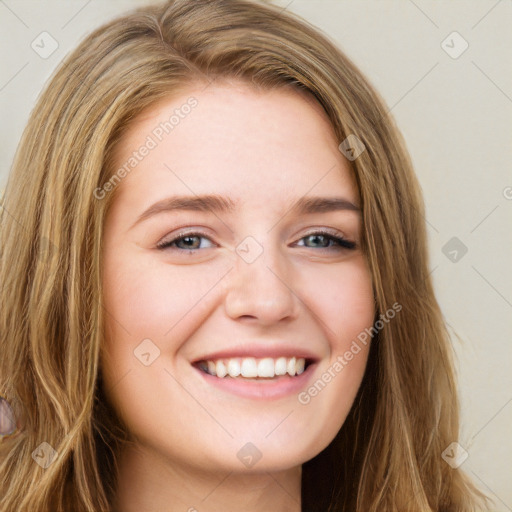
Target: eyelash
x,y
343,243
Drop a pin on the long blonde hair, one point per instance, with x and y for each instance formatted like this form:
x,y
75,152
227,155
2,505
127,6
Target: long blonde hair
x,y
387,455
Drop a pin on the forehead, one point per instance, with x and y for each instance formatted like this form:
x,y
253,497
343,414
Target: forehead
x,y
252,144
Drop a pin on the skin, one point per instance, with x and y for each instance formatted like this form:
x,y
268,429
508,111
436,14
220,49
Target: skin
x,y
264,150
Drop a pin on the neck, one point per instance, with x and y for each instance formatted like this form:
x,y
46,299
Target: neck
x,y
148,482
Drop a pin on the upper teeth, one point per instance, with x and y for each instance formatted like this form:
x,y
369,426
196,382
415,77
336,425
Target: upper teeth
x,y
251,367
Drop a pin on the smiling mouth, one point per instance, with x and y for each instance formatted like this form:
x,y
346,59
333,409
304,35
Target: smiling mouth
x,y
252,368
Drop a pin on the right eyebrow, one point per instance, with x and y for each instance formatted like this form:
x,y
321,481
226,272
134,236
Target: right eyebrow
x,y
204,203
315,204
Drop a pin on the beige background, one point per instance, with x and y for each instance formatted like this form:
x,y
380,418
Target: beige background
x,y
456,116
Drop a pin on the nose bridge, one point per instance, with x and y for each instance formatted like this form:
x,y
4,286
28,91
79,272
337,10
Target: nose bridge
x,y
260,286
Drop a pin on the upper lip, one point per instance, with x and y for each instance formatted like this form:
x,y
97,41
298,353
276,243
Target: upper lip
x,y
259,352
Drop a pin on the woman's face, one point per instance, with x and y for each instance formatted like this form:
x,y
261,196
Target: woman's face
x,y
236,268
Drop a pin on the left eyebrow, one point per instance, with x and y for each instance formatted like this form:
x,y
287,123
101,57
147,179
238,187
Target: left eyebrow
x,y
314,204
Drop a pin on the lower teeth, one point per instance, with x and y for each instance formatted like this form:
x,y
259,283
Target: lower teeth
x,y
254,378
247,378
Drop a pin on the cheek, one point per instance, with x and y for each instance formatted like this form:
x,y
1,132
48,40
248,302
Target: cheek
x,y
148,308
144,300
347,307
152,298
344,301
354,315
356,310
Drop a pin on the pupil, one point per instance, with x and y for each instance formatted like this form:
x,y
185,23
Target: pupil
x,y
316,238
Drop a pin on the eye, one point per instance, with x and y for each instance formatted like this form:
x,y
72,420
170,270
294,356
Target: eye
x,y
188,242
328,241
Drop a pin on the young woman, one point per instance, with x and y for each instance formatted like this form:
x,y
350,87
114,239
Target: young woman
x,y
215,290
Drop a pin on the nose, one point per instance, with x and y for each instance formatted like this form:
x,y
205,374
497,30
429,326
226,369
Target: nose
x,y
262,290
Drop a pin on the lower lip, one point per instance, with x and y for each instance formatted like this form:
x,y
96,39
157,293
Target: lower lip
x,y
264,389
